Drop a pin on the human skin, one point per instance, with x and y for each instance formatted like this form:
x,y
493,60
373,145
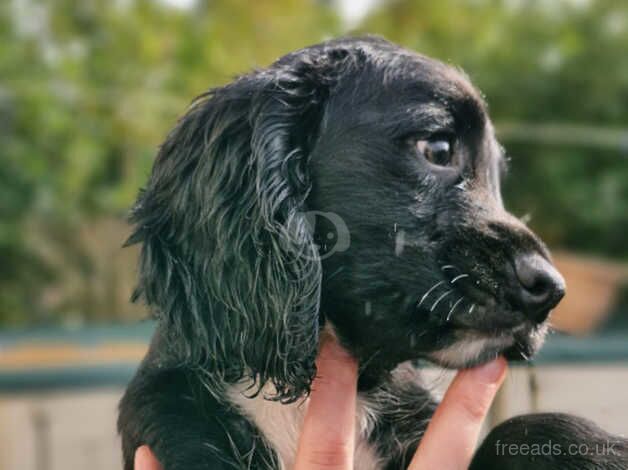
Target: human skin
x,y
327,437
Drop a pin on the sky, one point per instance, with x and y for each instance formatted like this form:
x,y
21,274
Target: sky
x,y
351,11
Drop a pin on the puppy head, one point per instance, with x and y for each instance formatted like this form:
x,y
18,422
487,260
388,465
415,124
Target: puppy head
x,y
390,153
406,157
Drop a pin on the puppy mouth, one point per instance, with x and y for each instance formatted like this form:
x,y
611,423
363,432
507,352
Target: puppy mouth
x,y
474,322
469,347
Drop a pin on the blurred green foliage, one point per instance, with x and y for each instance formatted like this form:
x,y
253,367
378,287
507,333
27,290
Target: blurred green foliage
x,y
89,89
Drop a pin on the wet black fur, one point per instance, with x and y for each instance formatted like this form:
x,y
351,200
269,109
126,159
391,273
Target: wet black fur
x,y
238,278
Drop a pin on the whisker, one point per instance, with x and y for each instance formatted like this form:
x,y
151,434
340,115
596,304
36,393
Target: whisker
x,y
460,276
448,266
440,298
412,340
336,272
471,309
522,352
429,292
369,360
453,308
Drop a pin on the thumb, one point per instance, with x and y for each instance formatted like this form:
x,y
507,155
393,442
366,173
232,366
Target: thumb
x,y
451,437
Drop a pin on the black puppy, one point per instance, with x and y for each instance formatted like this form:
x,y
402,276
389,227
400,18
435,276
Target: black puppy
x,y
393,156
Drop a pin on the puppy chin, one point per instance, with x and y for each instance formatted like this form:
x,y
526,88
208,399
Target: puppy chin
x,y
472,348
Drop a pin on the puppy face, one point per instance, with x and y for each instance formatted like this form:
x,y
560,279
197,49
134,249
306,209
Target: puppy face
x,y
407,158
390,153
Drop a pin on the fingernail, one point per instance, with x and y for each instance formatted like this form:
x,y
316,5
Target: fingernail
x,y
490,372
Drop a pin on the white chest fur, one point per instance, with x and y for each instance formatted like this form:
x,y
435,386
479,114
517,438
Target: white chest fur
x,y
281,425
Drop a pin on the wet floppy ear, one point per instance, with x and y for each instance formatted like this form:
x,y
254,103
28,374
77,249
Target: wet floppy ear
x,y
228,262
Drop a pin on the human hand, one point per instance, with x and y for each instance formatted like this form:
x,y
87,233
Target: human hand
x,y
451,437
328,434
327,438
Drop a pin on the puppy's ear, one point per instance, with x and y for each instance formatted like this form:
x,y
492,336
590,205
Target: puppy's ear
x,y
228,263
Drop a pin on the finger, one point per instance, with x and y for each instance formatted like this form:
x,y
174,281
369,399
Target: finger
x,y
328,435
145,459
451,437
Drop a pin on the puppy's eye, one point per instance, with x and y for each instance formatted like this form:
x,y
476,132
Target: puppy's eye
x,y
438,150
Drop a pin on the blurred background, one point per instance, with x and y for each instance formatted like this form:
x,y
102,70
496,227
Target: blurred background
x,y
89,89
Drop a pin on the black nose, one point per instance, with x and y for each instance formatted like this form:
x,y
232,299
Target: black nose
x,y
540,286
